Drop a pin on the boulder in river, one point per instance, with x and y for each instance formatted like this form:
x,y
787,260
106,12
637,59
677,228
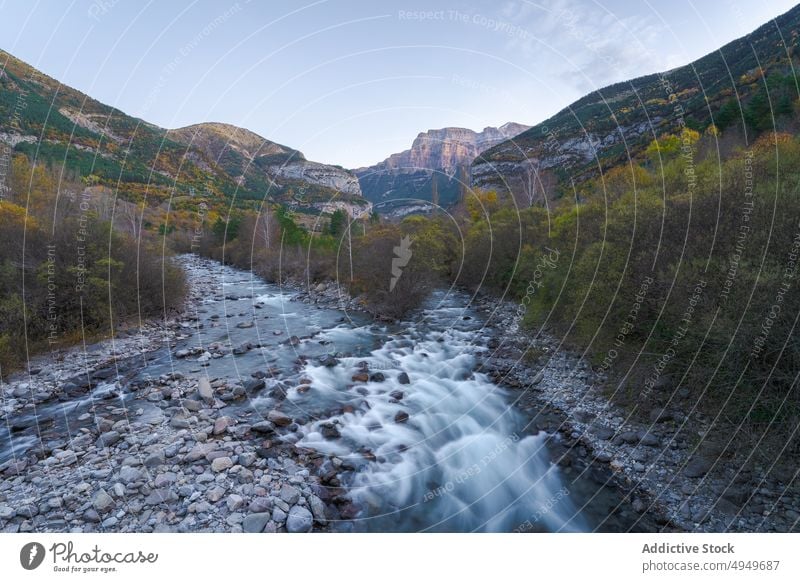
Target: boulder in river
x,y
254,385
278,418
328,361
263,427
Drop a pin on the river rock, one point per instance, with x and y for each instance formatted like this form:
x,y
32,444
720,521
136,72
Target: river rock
x,y
102,501
401,417
205,391
697,467
329,431
255,385
278,515
234,502
360,377
221,464
377,377
242,349
278,418
328,361
222,424
300,520
263,427
159,496
67,457
108,439
403,378
289,494
255,522
317,509
129,475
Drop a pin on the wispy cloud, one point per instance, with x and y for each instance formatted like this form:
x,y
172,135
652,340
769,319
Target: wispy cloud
x,y
597,46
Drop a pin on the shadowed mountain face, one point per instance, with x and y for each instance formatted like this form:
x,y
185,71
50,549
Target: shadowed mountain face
x,y
52,122
443,153
725,88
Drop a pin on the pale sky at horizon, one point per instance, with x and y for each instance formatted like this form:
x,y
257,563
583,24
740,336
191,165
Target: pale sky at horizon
x,y
349,82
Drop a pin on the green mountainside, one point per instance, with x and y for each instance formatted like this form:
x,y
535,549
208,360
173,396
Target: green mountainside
x,y
53,124
746,86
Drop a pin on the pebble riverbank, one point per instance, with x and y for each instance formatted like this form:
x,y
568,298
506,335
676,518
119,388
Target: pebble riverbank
x,y
166,458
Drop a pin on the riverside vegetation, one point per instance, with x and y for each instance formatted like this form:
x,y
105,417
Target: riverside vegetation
x,y
65,274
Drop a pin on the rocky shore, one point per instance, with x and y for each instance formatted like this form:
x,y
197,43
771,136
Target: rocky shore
x,y
667,471
154,455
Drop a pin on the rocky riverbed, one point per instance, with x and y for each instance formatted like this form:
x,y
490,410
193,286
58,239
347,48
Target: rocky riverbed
x,y
93,444
264,409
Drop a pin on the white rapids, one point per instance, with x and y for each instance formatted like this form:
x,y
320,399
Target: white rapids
x,y
458,463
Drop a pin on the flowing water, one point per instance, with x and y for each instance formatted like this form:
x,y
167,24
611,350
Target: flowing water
x,y
428,443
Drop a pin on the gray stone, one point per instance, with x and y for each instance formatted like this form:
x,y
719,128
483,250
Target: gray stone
x,y
255,385
205,391
215,494
603,433
234,502
154,460
129,475
159,496
200,451
697,467
221,464
289,494
222,424
648,439
263,427
255,522
179,421
317,509
6,512
67,457
109,438
102,501
300,520
110,522
278,418
278,515
260,505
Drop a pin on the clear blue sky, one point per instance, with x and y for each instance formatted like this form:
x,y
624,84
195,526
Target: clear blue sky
x,y
351,81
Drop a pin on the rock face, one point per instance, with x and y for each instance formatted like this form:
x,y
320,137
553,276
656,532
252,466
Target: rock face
x,y
441,152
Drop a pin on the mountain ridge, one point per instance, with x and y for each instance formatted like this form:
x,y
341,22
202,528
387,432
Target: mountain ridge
x,y
602,128
55,123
